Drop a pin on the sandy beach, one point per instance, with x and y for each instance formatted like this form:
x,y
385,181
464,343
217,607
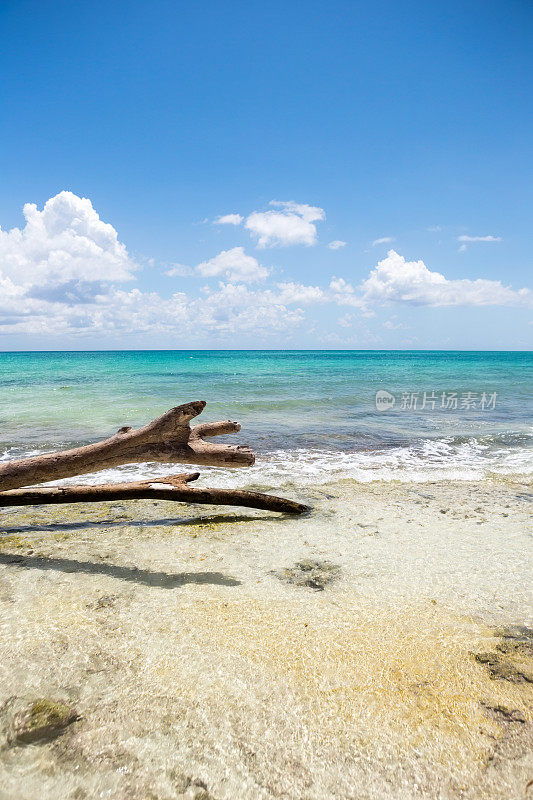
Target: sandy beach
x,y
375,648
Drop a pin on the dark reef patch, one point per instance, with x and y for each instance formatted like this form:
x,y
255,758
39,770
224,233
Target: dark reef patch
x,y
309,573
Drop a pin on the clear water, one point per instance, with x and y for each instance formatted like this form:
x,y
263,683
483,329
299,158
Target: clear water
x,y
309,415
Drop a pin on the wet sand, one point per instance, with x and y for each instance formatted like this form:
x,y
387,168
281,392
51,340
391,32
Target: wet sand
x,y
376,648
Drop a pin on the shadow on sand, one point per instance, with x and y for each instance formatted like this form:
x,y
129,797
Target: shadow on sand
x,y
52,527
162,580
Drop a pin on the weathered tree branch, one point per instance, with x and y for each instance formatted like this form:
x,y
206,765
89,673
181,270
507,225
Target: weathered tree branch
x,y
173,488
168,438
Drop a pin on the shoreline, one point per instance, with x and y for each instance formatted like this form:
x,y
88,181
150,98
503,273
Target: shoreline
x,y
338,655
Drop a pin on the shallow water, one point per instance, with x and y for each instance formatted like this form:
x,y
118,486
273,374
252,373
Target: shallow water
x,y
306,414
186,655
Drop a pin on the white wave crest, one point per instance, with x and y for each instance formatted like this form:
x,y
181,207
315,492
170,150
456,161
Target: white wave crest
x,y
428,460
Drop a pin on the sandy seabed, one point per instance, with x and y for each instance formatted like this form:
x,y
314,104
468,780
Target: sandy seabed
x,y
375,648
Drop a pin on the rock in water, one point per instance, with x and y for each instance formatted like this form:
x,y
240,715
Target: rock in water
x,y
516,639
42,721
512,658
313,574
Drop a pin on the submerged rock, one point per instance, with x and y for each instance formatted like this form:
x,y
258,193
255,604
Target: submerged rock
x,y
512,658
106,601
516,639
42,721
313,574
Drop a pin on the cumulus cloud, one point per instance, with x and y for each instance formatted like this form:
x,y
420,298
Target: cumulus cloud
x,y
383,240
61,275
229,219
237,308
66,241
397,280
292,224
344,294
234,265
299,293
229,308
341,286
336,244
289,224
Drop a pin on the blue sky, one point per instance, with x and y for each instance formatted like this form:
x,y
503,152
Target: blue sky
x,y
142,126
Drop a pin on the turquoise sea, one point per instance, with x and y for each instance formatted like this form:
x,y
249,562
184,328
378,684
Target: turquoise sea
x,y
310,415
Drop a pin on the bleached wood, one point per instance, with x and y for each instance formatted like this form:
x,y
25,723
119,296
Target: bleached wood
x,y
168,439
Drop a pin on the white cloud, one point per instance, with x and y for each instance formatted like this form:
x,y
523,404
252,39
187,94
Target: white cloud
x,y
234,265
60,275
383,240
344,294
469,239
336,244
292,225
305,211
397,280
479,238
298,293
229,309
237,308
341,286
229,219
66,241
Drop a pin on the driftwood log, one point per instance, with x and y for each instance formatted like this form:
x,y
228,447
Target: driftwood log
x,y
174,488
168,439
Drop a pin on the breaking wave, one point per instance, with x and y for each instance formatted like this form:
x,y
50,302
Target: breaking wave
x,y
424,460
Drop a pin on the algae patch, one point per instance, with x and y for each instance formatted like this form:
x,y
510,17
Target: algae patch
x,y
309,573
42,721
511,658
